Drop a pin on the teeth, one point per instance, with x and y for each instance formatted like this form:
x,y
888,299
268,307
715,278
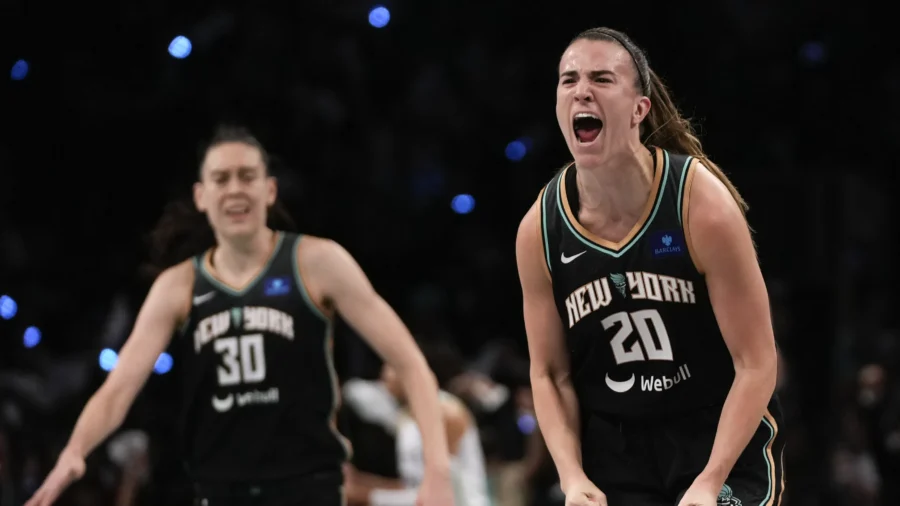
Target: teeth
x,y
586,115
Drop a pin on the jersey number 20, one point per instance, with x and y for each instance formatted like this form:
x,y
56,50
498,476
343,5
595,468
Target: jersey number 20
x,y
243,359
646,348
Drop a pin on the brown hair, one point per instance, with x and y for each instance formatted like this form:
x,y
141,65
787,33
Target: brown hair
x,y
664,126
183,232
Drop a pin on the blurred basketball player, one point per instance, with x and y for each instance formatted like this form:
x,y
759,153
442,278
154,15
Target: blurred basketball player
x,y
467,457
653,356
253,316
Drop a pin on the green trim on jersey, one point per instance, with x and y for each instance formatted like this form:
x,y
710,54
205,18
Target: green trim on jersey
x,y
684,171
301,287
544,231
252,283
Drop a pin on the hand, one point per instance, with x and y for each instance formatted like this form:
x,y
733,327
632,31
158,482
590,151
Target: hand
x,y
69,467
584,493
701,493
436,490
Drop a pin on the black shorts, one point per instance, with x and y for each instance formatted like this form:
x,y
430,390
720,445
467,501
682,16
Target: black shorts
x,y
322,489
653,463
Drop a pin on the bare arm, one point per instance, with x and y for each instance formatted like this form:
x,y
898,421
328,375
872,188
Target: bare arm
x,y
555,403
166,306
721,246
341,281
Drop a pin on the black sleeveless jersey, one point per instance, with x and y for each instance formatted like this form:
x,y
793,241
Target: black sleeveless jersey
x,y
641,334
260,390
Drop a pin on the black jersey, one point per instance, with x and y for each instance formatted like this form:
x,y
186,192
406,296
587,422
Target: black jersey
x,y
641,333
260,390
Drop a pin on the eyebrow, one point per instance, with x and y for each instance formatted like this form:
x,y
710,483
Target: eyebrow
x,y
592,74
241,168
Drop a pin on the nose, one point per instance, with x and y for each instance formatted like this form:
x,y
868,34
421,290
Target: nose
x,y
583,92
233,186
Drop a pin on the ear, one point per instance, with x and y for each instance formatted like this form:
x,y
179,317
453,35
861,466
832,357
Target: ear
x,y
641,110
198,197
271,190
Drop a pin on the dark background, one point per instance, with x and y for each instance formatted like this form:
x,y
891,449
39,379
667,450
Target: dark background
x,y
376,130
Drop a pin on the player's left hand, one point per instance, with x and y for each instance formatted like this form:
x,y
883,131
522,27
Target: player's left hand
x,y
436,490
700,494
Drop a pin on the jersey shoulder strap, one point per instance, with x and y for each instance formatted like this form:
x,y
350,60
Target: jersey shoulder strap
x,y
550,213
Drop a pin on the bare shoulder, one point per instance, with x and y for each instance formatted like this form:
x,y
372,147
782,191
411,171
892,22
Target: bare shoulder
x,y
710,198
715,222
455,409
178,276
329,273
173,289
315,252
528,235
457,418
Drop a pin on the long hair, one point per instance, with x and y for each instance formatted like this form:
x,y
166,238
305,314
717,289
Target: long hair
x,y
183,232
664,126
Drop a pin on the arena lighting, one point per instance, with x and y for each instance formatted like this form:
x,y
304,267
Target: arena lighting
x,y
163,363
32,337
19,70
108,359
463,204
8,307
180,47
379,16
517,149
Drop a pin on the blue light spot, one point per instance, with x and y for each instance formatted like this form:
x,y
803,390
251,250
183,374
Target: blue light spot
x,y
19,70
463,204
379,16
32,337
163,363
108,359
180,47
526,423
813,53
8,307
516,150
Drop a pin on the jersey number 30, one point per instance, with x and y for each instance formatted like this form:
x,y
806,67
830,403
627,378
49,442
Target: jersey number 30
x,y
645,348
243,359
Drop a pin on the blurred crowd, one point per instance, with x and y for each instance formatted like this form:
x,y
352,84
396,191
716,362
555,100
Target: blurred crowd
x,y
850,456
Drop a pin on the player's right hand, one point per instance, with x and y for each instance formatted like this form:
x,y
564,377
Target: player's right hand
x,y
69,467
584,493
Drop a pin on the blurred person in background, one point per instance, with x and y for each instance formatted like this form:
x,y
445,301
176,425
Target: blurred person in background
x,y
878,404
855,477
496,387
467,458
644,240
254,309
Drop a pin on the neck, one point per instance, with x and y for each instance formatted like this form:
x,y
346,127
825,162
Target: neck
x,y
244,254
618,185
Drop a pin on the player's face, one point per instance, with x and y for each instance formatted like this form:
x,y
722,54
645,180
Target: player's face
x,y
598,106
235,190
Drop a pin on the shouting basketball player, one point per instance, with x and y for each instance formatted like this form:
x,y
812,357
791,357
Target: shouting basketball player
x,y
653,356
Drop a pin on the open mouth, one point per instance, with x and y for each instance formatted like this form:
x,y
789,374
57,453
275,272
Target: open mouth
x,y
587,127
236,211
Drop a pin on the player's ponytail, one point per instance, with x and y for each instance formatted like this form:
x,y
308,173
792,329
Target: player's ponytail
x,y
664,126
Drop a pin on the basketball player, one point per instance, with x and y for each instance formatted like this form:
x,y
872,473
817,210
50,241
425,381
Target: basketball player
x,y
653,356
467,457
253,316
